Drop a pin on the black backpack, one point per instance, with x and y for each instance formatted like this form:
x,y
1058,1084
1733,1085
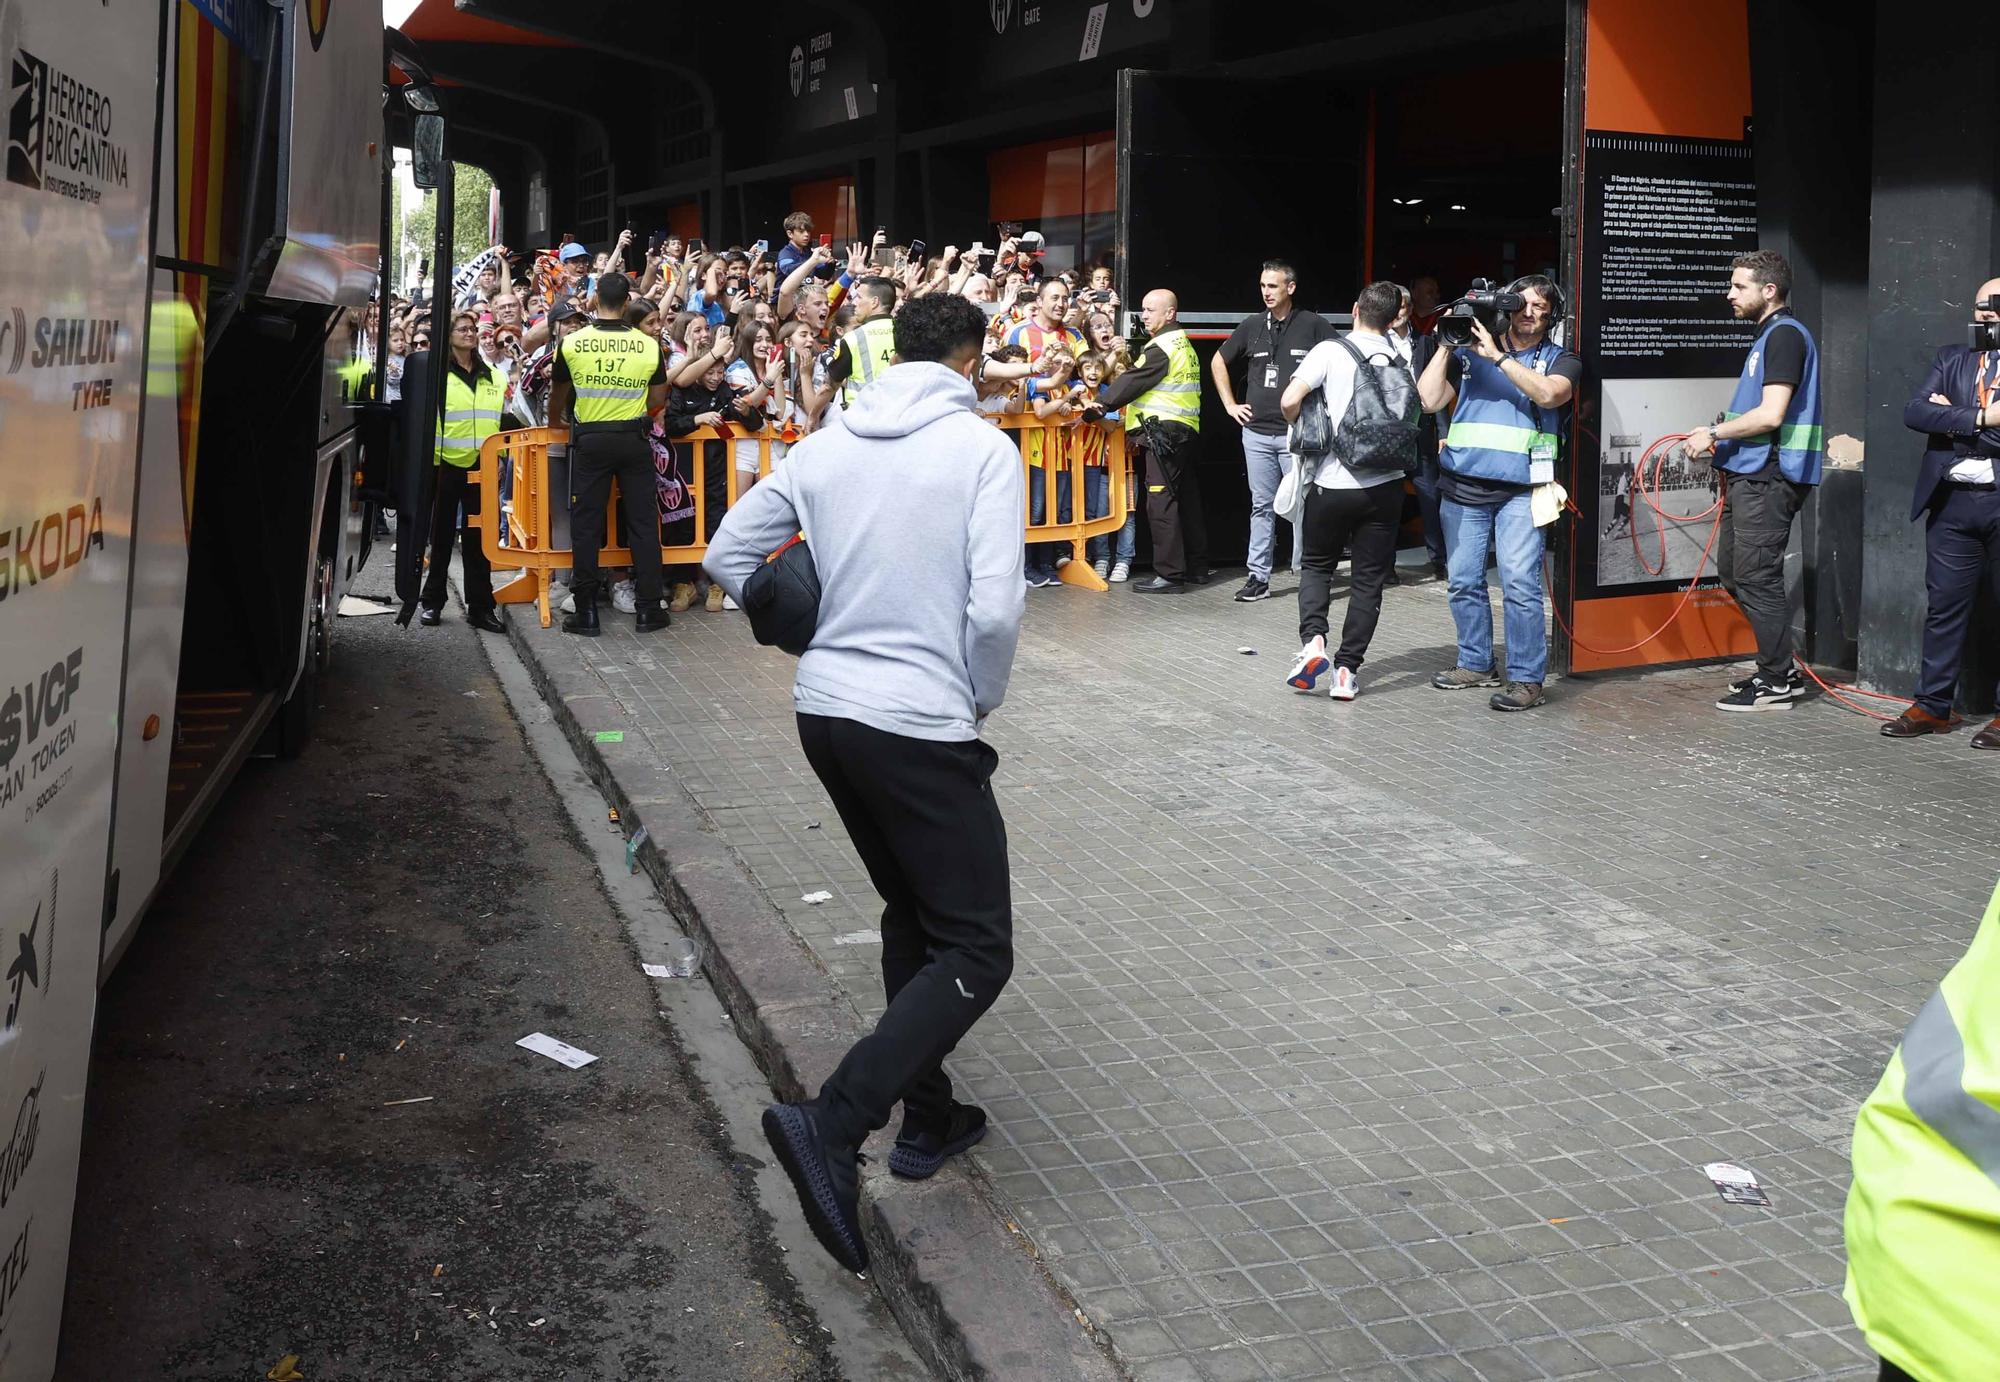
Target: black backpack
x,y
1383,420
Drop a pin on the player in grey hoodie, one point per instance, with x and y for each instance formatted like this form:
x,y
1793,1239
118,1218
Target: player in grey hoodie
x,y
913,507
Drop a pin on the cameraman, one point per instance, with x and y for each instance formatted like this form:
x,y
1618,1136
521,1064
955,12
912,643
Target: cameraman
x,y
1958,405
1511,400
1770,446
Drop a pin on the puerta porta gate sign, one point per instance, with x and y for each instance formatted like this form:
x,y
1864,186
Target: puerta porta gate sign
x,y
1664,216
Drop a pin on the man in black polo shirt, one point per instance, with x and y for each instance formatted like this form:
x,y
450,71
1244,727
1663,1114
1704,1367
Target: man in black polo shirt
x,y
1269,346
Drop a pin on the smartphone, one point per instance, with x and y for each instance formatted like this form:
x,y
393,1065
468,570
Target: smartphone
x,y
695,244
762,247
916,250
774,352
881,232
653,243
826,242
1008,229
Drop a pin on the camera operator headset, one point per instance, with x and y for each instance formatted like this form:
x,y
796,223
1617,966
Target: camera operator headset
x,y
1507,395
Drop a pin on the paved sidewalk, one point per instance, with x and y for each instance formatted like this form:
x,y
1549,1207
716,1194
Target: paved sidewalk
x,y
1388,1039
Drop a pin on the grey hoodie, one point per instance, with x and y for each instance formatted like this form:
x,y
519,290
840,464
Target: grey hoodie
x,y
913,508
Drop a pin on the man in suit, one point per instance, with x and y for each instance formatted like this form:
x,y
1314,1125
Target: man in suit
x,y
1958,405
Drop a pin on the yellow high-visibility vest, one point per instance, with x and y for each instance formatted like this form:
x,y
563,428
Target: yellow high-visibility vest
x,y
870,348
471,415
1923,1216
1177,397
609,372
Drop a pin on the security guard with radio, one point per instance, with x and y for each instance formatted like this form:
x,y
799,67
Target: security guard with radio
x,y
1923,1213
1769,445
1161,396
473,393
1512,387
869,347
608,379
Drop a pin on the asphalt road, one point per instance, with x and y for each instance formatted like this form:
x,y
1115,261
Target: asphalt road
x,y
377,922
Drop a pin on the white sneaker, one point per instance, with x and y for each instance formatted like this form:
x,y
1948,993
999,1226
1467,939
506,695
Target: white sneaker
x,y
1309,666
1345,685
1102,567
1061,562
729,602
625,597
1121,573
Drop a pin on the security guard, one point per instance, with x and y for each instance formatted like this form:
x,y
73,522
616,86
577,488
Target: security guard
x,y
1770,443
1958,496
866,350
1161,394
1923,1216
617,377
472,398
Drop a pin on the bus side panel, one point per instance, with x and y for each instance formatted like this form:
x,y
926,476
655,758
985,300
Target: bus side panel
x,y
159,597
75,216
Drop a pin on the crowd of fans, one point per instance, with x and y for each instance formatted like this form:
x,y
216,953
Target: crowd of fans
x,y
759,343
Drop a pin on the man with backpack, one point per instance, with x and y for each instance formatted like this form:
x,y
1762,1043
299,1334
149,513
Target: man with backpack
x,y
1350,498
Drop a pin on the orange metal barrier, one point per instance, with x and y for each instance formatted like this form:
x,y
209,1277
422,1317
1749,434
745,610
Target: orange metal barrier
x,y
518,536
1059,457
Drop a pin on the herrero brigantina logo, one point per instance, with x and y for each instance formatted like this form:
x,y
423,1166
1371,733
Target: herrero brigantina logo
x,y
61,132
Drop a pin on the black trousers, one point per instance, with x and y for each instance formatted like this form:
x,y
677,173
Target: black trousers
x,y
1173,507
923,818
1962,545
1426,481
455,489
1357,522
1757,519
715,463
594,458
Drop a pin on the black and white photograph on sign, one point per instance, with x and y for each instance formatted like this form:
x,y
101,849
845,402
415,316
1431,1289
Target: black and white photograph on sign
x,y
1655,508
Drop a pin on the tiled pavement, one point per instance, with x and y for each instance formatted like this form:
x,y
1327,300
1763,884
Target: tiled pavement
x,y
1388,1039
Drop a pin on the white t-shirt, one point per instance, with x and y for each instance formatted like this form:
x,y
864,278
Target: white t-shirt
x,y
1330,369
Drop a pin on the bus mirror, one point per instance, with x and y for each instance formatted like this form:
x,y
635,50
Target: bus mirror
x,y
427,153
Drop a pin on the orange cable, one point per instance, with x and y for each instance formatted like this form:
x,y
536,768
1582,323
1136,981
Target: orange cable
x,y
1646,492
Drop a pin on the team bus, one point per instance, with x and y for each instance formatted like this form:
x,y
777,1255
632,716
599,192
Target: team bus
x,y
193,215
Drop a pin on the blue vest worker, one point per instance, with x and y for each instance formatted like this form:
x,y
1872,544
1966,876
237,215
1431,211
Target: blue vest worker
x,y
1509,399
1769,446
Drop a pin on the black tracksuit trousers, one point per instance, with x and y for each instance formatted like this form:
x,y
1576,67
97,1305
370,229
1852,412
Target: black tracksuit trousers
x,y
922,817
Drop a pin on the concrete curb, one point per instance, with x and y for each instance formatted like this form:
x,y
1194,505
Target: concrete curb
x,y
967,1288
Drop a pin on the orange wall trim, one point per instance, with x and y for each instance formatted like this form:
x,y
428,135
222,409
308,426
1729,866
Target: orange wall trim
x,y
830,202
1682,68
1057,177
1711,627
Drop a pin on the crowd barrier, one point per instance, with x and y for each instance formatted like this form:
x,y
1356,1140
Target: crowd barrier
x,y
519,511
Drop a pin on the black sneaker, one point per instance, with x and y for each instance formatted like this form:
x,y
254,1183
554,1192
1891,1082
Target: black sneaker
x,y
1759,694
920,1152
827,1179
1253,590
